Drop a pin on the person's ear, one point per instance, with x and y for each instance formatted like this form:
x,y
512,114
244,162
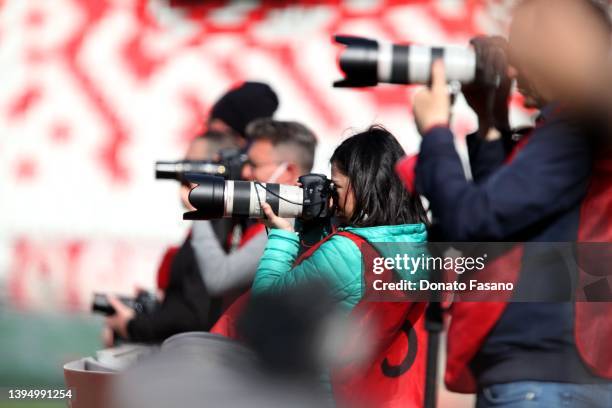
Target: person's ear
x,y
293,172
247,172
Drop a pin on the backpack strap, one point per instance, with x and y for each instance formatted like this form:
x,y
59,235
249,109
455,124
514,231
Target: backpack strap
x,y
357,239
360,241
308,253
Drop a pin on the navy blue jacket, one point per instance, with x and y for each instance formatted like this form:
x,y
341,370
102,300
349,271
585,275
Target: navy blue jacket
x,y
534,198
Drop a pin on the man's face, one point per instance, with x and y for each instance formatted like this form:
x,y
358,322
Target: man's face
x,y
521,52
266,164
560,49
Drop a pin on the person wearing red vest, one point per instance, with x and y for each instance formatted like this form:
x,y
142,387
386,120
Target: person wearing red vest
x,y
517,354
372,208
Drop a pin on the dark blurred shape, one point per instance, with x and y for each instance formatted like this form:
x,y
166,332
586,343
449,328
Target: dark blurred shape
x,y
287,331
489,96
144,303
289,340
241,105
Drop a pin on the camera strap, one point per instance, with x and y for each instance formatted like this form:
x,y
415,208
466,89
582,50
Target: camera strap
x,y
308,253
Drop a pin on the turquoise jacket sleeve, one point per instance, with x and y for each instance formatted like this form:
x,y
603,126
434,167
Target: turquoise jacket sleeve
x,y
337,262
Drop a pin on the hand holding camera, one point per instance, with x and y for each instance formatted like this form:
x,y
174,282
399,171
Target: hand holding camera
x,y
119,310
481,69
432,105
119,320
274,221
488,95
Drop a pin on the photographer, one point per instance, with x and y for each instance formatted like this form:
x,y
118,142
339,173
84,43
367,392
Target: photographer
x,y
241,105
516,354
371,205
188,304
279,153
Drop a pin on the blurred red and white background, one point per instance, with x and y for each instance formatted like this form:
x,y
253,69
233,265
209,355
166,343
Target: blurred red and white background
x,y
94,91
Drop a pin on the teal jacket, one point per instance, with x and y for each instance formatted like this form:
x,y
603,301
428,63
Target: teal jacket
x,y
337,261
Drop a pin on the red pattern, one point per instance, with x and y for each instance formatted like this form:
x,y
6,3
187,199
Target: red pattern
x,y
62,42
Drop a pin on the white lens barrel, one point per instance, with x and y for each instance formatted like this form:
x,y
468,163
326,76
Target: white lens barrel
x,y
244,199
290,206
229,198
411,64
419,64
385,61
460,64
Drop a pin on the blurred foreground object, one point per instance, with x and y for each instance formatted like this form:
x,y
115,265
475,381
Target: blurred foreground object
x,y
287,343
90,378
203,369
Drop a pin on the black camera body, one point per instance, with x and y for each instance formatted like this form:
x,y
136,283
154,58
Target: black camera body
x,y
318,192
233,160
229,166
144,303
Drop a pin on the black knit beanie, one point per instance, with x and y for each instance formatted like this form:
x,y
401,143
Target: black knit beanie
x,y
241,105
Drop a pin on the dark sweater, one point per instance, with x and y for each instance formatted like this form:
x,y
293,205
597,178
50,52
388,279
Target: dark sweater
x,y
187,306
536,197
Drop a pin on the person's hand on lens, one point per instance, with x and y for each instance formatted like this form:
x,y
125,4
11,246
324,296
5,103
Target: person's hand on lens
x,y
123,314
431,105
108,339
274,221
488,95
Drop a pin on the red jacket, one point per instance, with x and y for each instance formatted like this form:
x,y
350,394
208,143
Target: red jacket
x,y
471,323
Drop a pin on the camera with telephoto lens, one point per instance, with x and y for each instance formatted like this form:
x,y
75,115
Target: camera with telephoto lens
x,y
214,197
228,166
144,303
367,62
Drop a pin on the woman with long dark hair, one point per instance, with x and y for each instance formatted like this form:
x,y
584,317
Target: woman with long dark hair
x,y
372,206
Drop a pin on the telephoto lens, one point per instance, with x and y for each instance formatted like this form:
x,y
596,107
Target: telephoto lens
x,y
214,197
176,170
228,166
368,62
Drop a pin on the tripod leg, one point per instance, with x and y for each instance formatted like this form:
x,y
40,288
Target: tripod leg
x,y
433,325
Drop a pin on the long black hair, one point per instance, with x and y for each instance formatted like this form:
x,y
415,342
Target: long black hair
x,y
368,160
